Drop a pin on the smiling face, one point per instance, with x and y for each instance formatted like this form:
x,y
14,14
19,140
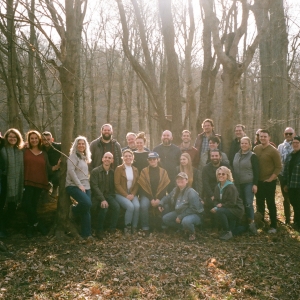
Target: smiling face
x,y
239,132
131,141
12,139
81,146
212,145
289,134
167,137
264,138
107,159
106,132
222,176
245,145
183,160
127,158
215,158
47,140
186,137
296,145
140,144
181,182
34,140
207,127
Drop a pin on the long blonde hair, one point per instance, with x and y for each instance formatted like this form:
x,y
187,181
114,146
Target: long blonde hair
x,y
188,169
87,151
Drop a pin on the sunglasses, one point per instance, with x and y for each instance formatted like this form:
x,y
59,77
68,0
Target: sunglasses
x,y
288,133
221,174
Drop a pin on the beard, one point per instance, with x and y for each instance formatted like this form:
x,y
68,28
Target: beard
x,y
106,137
166,142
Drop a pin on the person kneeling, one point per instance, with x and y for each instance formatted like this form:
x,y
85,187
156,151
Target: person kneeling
x,y
229,208
186,204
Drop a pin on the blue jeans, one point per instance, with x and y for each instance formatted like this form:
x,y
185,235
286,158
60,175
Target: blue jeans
x,y
246,194
187,223
114,207
226,218
132,209
82,209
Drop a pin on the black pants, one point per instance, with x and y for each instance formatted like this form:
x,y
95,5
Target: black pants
x,y
294,195
266,191
6,213
31,197
286,201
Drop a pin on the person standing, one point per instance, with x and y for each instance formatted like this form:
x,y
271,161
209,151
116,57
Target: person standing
x,y
12,177
269,168
284,150
201,143
105,143
104,195
186,147
239,132
192,173
36,170
54,159
169,157
78,185
141,154
291,179
245,173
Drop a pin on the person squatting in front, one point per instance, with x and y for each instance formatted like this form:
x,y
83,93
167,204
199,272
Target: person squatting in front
x,y
186,205
229,208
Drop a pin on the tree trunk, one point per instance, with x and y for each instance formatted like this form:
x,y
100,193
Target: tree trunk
x,y
172,88
12,94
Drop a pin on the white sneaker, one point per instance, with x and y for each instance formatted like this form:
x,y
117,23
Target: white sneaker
x,y
272,230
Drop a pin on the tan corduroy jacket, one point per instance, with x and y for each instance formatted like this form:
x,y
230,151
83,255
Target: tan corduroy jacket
x,y
121,181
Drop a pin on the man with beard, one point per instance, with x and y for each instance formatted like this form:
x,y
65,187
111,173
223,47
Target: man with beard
x,y
105,143
209,178
169,157
201,143
131,142
54,159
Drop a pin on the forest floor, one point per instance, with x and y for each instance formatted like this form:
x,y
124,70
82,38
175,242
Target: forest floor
x,y
266,266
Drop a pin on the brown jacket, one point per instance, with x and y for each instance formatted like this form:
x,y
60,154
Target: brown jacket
x,y
121,181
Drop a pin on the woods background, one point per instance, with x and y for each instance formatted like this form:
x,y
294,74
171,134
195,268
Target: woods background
x,y
71,66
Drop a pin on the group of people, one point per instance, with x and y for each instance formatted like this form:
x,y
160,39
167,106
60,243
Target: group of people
x,y
169,187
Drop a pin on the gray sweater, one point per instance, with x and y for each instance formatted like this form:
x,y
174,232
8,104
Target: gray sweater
x,y
77,173
245,168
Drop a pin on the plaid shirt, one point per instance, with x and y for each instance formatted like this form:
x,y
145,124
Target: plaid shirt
x,y
292,181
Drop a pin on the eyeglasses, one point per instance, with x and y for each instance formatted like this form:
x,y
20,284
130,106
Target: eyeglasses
x,y
288,133
221,174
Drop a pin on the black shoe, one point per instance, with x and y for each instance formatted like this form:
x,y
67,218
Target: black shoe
x,y
29,231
